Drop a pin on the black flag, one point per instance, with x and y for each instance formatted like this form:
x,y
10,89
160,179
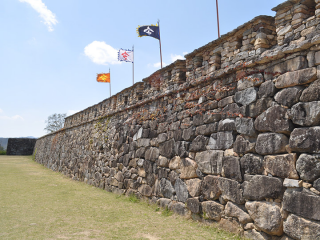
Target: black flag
x,y
149,31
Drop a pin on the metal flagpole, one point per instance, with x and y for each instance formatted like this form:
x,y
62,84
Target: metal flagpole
x,y
110,81
218,18
133,65
160,43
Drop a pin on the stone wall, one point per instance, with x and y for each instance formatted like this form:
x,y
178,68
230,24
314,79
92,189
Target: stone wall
x,y
21,146
231,134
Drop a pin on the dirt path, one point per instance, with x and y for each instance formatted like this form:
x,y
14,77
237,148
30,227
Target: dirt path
x,y
37,203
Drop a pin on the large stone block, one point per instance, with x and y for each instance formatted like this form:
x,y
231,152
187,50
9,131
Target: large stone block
x,y
167,149
166,188
250,81
221,141
306,114
244,145
267,89
210,188
308,167
255,109
300,228
194,187
266,216
231,168
231,190
283,166
302,202
271,143
152,154
188,168
252,164
259,187
295,78
305,140
145,190
178,208
246,96
237,211
193,205
207,129
181,190
275,119
210,161
245,126
311,93
289,96
199,144
227,125
212,210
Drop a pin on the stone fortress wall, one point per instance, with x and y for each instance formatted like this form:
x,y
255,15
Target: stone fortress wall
x,y
21,146
231,134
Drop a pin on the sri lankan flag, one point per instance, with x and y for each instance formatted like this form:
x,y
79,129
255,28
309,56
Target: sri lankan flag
x,y
103,77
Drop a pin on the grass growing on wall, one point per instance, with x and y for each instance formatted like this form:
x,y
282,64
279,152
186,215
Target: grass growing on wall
x,y
37,203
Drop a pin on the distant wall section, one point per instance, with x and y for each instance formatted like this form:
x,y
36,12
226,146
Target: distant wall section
x,y
20,146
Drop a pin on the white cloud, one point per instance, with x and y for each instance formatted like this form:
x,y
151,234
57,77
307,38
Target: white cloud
x,y
101,53
71,112
48,17
185,53
175,57
16,117
1,110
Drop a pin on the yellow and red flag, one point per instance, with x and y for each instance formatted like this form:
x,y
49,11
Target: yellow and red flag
x,y
103,77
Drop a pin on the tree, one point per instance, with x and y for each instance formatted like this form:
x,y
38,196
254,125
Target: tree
x,y
55,122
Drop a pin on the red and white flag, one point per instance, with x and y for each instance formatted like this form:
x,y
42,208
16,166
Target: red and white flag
x,y
125,55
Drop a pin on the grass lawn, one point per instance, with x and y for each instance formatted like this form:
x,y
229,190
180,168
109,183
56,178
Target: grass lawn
x,y
37,203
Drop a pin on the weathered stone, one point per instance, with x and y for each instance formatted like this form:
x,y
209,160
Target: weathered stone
x,y
207,129
230,111
178,208
139,153
282,166
175,163
199,143
250,81
210,188
212,116
244,145
305,140
266,216
143,142
299,77
182,148
234,210
275,119
246,96
289,96
231,168
311,93
227,125
197,120
138,135
255,109
308,167
252,164
316,184
267,89
212,210
302,202
188,168
181,190
271,143
245,126
194,187
166,188
210,161
261,187
255,235
189,134
163,202
193,205
152,154
306,114
300,228
221,141
291,183
145,190
167,149
162,161
162,137
231,190
231,225
225,101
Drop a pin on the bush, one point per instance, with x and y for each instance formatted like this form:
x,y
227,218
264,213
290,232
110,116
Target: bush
x,y
3,152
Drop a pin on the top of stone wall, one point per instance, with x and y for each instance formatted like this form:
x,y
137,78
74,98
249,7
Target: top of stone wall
x,y
290,3
224,37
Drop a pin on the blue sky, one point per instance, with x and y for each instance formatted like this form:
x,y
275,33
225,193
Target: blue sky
x,y
51,50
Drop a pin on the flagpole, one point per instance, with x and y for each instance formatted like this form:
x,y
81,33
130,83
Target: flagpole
x,y
160,43
218,18
110,82
133,66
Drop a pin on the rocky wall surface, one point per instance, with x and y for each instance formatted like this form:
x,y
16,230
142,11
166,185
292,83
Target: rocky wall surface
x,y
238,144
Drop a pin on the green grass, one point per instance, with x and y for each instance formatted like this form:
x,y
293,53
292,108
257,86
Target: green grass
x,y
37,203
